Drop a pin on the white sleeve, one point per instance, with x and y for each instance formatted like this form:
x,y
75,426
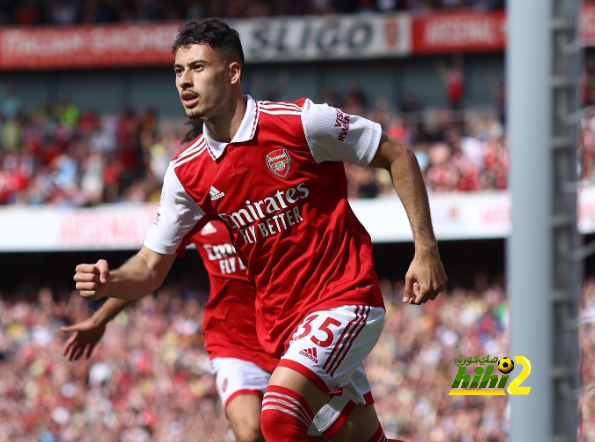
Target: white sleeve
x,y
333,135
176,216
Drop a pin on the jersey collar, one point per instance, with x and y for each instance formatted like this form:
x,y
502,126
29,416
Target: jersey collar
x,y
245,132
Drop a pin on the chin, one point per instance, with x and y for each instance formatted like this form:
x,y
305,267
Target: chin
x,y
193,114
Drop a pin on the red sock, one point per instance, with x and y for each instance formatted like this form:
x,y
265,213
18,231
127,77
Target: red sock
x,y
378,436
285,416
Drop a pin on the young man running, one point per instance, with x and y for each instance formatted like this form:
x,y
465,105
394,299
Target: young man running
x,y
272,172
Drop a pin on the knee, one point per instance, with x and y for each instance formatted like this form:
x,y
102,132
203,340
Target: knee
x,y
285,415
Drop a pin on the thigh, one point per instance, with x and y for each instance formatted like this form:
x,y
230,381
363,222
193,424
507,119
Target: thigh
x,y
300,384
235,377
329,346
243,413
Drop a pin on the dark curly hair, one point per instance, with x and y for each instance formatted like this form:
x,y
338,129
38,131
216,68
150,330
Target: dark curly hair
x,y
215,33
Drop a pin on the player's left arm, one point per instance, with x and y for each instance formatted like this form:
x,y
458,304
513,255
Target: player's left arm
x,y
425,278
86,334
333,135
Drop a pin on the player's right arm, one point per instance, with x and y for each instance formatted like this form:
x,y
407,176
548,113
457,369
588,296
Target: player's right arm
x,y
136,278
142,274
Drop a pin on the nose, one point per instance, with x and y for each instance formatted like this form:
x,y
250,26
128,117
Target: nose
x,y
185,80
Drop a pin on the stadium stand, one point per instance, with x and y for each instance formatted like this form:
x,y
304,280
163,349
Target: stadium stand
x,y
150,377
63,155
68,12
150,380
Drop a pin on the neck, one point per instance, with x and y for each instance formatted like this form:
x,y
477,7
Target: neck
x,y
223,127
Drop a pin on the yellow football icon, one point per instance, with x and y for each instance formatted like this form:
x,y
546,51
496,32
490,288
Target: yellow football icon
x,y
505,365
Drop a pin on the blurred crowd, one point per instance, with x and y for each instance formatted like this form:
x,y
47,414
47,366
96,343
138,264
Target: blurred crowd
x,y
587,362
149,379
457,150
67,12
63,155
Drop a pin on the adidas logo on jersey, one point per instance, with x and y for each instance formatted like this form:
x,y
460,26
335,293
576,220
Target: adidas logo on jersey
x,y
310,354
208,229
215,194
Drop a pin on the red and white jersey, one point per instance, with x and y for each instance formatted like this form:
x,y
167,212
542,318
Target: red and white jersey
x,y
229,322
281,189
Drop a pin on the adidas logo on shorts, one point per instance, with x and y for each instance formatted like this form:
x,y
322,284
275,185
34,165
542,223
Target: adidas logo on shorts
x,y
310,354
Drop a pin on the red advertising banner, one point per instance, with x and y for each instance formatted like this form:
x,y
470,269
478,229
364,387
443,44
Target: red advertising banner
x,y
465,32
588,24
436,33
267,39
87,46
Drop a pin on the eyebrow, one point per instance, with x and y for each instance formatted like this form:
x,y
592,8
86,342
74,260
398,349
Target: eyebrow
x,y
192,63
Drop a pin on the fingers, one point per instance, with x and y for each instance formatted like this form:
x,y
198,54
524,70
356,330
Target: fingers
x,y
429,293
416,293
89,277
439,290
87,286
90,349
408,290
103,270
86,277
67,347
423,295
87,268
439,284
78,353
89,290
91,295
426,293
424,281
72,348
420,294
73,351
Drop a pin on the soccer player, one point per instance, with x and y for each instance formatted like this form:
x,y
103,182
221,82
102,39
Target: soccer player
x,y
272,172
241,366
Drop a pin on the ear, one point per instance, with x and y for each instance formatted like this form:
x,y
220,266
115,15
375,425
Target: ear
x,y
235,72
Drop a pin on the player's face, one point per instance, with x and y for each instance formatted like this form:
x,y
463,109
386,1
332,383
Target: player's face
x,y
202,81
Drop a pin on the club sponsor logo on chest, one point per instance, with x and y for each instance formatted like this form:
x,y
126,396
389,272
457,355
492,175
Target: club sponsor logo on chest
x,y
278,162
270,215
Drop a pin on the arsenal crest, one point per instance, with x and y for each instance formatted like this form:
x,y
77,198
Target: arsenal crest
x,y
278,162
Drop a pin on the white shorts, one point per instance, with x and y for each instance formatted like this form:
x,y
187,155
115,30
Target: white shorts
x,y
235,377
329,347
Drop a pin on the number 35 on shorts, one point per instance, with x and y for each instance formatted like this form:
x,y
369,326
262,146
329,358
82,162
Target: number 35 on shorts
x,y
325,336
331,337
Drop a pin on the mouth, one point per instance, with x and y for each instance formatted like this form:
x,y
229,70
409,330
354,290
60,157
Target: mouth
x,y
189,99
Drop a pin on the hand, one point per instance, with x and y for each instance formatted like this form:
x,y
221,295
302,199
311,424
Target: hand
x,y
92,279
425,278
85,337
